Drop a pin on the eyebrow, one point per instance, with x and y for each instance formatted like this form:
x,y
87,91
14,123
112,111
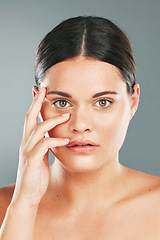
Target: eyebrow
x,y
60,93
104,93
94,96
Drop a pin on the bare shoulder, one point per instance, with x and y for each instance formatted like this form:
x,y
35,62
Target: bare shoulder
x,y
145,187
143,182
6,194
145,179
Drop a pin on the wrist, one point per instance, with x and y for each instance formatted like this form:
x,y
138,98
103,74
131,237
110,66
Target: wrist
x,y
19,221
22,207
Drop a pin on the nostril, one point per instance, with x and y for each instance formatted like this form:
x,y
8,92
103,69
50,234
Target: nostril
x,y
76,130
78,125
87,129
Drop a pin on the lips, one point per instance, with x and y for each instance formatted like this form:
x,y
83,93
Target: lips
x,y
82,146
81,143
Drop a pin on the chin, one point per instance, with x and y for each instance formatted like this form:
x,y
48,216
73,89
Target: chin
x,y
78,163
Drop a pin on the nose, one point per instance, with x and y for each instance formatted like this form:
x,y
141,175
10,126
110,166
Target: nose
x,y
80,121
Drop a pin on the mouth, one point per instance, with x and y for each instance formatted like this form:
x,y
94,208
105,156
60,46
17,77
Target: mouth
x,y
82,146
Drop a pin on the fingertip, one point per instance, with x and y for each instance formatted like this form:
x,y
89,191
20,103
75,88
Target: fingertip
x,y
43,89
67,140
42,93
65,115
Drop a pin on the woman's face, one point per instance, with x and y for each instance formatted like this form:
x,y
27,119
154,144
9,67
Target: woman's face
x,y
100,108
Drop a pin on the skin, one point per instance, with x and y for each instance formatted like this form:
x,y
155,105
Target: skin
x,y
83,190
113,119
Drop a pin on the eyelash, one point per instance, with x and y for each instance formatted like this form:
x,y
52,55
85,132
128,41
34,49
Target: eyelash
x,y
59,100
64,108
106,100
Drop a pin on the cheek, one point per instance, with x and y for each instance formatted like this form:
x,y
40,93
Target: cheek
x,y
59,131
46,113
113,125
109,126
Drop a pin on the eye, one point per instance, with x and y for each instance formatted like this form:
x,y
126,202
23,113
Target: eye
x,y
103,103
61,103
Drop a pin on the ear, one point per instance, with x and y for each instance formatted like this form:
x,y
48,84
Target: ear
x,y
34,91
135,99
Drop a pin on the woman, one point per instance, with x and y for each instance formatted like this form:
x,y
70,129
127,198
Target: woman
x,y
85,95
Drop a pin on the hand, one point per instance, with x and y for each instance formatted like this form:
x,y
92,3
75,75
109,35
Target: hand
x,y
33,170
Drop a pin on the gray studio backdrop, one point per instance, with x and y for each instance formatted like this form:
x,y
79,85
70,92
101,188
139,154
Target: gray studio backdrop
x,y
22,26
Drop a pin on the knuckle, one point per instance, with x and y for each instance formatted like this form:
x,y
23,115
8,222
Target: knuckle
x,y
24,153
37,127
28,155
27,115
28,159
44,141
22,145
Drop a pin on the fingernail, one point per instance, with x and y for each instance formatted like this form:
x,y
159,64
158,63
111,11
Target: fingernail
x,y
67,140
65,115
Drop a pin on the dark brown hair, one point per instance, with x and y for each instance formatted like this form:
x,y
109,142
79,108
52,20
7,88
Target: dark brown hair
x,y
89,36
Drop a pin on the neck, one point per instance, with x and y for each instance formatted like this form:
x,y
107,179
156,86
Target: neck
x,y
102,186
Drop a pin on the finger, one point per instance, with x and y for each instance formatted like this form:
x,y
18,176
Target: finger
x,y
40,130
36,156
46,157
32,115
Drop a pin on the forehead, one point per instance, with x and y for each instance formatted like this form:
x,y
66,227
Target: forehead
x,y
83,74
